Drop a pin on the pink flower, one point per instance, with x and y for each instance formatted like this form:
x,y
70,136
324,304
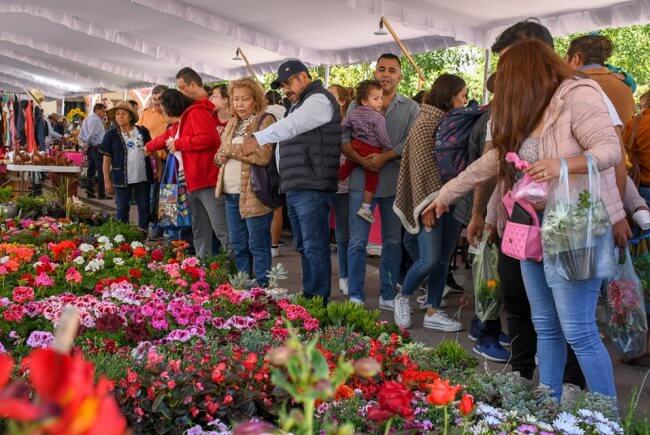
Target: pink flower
x,y
311,324
40,339
23,294
295,312
73,275
44,280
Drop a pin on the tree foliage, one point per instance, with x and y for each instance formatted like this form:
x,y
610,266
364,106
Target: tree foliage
x,y
631,45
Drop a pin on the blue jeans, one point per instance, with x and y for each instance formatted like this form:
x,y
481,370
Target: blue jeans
x,y
391,247
141,193
567,314
250,238
435,247
342,213
308,212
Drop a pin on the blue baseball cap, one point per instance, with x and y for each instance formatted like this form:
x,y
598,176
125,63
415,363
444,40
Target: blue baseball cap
x,y
287,70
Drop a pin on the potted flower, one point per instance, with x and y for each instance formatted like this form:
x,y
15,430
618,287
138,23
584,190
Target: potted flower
x,y
569,235
8,209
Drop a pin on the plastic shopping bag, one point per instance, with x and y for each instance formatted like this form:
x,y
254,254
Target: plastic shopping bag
x,y
577,237
485,276
627,324
526,189
640,252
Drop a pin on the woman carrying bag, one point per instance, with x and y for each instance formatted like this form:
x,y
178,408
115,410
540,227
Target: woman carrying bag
x,y
560,125
249,219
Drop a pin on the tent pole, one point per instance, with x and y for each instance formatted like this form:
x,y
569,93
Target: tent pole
x,y
406,52
248,65
486,74
327,76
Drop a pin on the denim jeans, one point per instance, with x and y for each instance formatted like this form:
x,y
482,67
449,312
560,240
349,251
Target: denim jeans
x,y
567,314
391,247
208,215
435,247
139,191
95,172
342,213
250,238
308,212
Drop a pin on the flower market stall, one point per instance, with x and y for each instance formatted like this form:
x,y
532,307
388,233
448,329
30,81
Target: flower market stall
x,y
185,346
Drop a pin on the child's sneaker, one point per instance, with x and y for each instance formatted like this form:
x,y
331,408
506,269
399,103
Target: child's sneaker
x,y
366,215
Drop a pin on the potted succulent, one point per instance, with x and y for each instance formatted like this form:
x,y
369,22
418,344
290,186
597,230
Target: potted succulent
x,y
569,235
8,209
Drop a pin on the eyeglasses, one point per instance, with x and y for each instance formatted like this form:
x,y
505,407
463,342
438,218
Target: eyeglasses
x,y
287,83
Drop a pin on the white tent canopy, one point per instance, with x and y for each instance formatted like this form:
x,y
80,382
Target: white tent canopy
x,y
70,47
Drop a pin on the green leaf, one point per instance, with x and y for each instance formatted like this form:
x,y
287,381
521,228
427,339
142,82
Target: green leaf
x,y
319,364
158,401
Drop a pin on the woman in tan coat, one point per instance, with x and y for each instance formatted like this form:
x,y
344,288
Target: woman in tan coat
x,y
249,221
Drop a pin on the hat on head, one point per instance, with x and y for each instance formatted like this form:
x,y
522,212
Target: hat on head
x,y
288,69
124,105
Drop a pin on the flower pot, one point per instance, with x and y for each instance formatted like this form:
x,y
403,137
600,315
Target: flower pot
x,y
578,264
8,210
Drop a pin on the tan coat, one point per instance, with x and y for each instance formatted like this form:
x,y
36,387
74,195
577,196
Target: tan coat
x,y
249,205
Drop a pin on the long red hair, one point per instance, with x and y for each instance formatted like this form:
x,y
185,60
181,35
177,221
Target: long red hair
x,y
527,76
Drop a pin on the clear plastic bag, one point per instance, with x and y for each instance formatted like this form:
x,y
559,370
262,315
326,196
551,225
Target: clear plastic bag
x,y
627,325
485,276
526,189
577,236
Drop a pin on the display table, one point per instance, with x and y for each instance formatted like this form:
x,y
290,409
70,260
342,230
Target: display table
x,y
24,169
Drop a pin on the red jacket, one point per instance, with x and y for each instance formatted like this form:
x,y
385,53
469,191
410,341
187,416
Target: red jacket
x,y
198,142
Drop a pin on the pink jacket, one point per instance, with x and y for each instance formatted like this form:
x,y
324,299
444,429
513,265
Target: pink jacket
x,y
576,121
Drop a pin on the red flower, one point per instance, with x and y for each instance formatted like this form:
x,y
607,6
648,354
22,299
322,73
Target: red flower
x,y
250,362
442,394
135,273
466,404
157,254
227,400
343,392
6,365
394,399
139,252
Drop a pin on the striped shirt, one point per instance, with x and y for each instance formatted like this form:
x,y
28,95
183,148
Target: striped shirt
x,y
368,126
400,115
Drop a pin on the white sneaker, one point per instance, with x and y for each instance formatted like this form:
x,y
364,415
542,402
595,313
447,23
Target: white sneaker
x,y
275,252
442,322
402,313
386,305
357,301
343,286
366,215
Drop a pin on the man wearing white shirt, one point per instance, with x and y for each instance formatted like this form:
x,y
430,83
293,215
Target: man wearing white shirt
x,y
309,139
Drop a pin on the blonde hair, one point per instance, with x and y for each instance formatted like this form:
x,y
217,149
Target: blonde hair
x,y
256,91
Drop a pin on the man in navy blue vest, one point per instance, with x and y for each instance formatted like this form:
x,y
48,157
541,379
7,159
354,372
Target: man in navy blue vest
x,y
309,138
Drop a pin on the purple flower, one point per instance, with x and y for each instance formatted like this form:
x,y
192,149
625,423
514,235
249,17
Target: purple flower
x,y
2,348
179,335
40,339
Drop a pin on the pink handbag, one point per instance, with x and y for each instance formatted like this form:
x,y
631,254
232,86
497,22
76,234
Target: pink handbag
x,y
521,241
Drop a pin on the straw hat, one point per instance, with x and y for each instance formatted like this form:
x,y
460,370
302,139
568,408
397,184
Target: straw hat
x,y
125,105
37,95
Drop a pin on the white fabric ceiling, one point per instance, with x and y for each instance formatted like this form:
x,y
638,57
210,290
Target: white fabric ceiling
x,y
68,47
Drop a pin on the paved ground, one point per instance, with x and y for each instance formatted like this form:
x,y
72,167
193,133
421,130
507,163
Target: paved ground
x,y
626,376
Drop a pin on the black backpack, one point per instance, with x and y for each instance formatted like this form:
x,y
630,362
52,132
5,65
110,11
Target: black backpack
x,y
451,139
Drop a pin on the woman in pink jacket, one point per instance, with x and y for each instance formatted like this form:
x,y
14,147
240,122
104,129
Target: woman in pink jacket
x,y
543,113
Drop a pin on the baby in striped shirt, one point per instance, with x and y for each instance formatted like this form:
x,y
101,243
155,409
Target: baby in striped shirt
x,y
369,136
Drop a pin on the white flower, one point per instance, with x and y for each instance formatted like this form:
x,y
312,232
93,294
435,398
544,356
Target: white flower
x,y
78,261
37,264
103,240
4,259
119,238
118,261
107,246
94,265
603,429
85,247
567,424
135,244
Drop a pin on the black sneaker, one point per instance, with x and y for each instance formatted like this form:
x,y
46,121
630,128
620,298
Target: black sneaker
x,y
453,285
104,196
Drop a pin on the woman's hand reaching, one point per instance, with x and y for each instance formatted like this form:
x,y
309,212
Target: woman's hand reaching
x,y
433,212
